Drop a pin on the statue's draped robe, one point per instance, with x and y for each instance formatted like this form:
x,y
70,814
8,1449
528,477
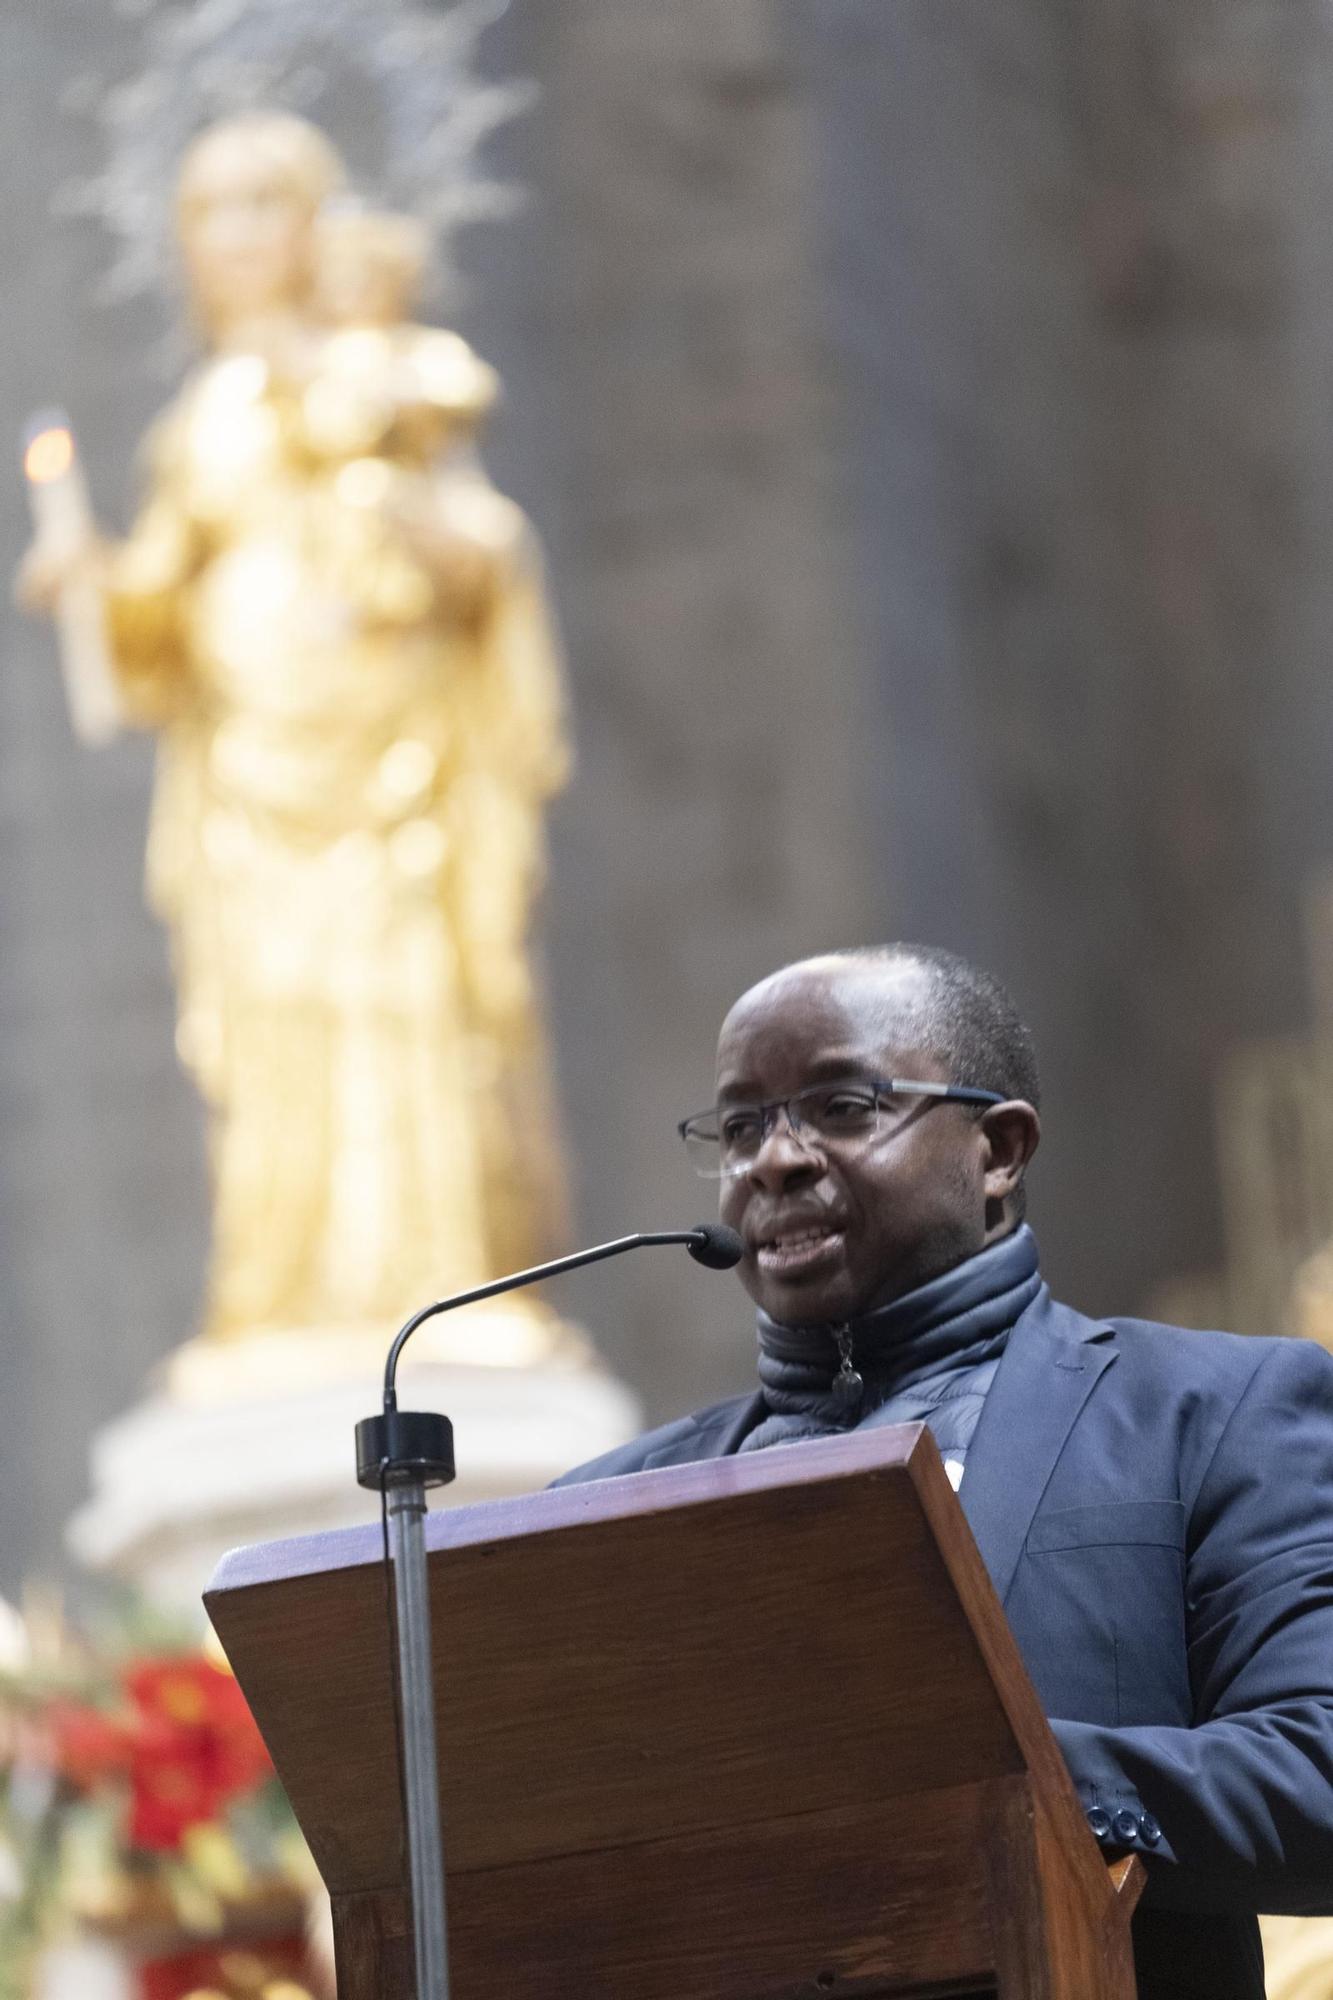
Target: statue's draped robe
x,y
355,750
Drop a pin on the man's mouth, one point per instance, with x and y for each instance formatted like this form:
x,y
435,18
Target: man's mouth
x,y
798,1248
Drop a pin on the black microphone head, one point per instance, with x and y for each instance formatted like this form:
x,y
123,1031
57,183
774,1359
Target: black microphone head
x,y
713,1244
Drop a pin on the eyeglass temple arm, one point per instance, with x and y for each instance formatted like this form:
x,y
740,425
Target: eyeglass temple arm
x,y
965,1093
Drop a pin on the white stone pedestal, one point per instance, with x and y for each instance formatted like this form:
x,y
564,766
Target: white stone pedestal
x,y
84,1969
227,1452
253,1442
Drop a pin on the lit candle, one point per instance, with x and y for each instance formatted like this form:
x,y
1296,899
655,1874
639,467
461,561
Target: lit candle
x,y
63,520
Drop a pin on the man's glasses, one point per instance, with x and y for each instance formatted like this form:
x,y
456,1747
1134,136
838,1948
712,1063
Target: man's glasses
x,y
726,1140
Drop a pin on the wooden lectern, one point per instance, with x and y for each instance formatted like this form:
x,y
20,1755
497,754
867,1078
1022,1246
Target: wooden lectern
x,y
753,1729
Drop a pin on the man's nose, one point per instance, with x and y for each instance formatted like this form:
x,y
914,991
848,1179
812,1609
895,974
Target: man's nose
x,y
784,1154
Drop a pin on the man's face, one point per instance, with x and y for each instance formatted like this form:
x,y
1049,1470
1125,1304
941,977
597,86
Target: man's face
x,y
832,1232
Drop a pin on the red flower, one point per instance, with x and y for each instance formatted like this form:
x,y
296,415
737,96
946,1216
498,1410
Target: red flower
x,y
195,1748
186,1973
87,1745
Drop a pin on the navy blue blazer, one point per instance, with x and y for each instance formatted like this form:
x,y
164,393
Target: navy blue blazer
x,y
1155,1509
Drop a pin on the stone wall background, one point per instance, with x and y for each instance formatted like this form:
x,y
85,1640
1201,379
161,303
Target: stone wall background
x,y
926,408
1077,265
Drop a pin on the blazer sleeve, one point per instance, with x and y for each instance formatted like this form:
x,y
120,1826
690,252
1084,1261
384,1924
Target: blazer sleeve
x,y
1244,1798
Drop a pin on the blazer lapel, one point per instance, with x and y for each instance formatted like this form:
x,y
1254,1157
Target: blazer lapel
x,y
1052,1361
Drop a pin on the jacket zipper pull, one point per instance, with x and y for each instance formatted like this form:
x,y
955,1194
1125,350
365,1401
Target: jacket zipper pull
x,y
848,1387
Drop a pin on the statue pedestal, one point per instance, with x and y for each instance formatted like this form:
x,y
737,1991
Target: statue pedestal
x,y
255,1441
240,1448
85,1970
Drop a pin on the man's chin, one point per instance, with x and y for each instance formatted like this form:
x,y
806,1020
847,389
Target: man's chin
x,y
825,1300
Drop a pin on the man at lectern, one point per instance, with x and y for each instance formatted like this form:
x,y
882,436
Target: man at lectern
x,y
1154,1505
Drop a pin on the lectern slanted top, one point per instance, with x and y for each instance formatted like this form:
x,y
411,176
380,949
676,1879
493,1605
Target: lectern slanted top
x,y
753,1729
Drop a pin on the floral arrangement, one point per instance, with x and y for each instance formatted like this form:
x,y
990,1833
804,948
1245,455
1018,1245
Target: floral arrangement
x,y
138,1804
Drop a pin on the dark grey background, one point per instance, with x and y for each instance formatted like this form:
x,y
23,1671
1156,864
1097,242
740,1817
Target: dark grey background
x,y
926,408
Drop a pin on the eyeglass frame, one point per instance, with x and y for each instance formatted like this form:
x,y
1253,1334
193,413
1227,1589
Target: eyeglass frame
x,y
883,1086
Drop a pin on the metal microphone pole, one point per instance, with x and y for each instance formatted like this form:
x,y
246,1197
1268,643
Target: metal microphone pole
x,y
421,1777
399,1454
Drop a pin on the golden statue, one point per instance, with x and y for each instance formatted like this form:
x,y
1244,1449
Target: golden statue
x,y
338,628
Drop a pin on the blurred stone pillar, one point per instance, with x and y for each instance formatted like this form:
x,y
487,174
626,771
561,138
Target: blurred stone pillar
x,y
1078,268
717,825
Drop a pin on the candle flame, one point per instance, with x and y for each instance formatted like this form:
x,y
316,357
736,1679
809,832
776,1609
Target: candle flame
x,y
49,456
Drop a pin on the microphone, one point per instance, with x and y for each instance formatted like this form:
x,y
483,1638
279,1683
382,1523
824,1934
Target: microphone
x,y
395,1437
715,1246
399,1453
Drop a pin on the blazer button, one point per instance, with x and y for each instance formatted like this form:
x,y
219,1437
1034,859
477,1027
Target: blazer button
x,y
1126,1825
1149,1831
1100,1822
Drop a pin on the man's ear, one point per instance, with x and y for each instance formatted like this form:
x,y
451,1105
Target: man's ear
x,y
1012,1132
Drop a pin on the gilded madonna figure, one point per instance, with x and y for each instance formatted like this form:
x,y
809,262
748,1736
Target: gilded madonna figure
x,y
337,627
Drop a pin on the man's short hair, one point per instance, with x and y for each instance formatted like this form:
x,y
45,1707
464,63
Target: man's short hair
x,y
967,1019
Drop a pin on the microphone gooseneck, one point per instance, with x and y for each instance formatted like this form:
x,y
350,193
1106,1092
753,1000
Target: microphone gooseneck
x,y
711,1244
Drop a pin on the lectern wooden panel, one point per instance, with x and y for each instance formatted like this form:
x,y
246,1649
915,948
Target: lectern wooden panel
x,y
748,1730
